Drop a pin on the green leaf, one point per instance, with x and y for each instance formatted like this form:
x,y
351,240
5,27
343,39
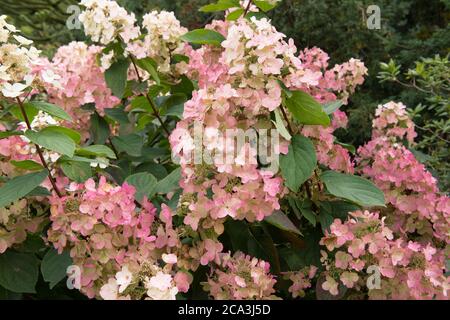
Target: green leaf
x,y
30,111
99,129
331,107
54,266
77,171
7,134
264,5
130,144
279,125
281,221
116,77
19,272
325,219
96,150
169,183
203,36
145,185
305,207
141,103
232,16
306,109
151,67
347,146
50,109
118,115
221,5
52,140
19,187
298,165
356,189
27,165
72,134
39,192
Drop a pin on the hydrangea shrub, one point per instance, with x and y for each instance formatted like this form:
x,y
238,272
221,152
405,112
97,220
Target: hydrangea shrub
x,y
101,173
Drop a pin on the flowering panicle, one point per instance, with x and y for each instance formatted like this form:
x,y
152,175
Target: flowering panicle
x,y
240,277
104,230
17,220
105,20
408,269
415,204
81,82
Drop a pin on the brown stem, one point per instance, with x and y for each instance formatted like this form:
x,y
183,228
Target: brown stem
x,y
248,7
39,151
150,101
287,120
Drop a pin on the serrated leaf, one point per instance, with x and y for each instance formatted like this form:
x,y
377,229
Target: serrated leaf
x,y
72,134
236,14
281,221
96,150
203,36
116,77
7,134
52,140
77,171
151,67
353,188
50,109
54,266
130,144
27,165
99,129
221,5
19,272
306,109
19,187
298,165
169,183
145,185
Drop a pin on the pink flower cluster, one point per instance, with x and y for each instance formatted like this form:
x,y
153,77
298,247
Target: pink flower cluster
x,y
81,82
328,152
301,280
104,230
415,204
16,221
238,88
240,277
408,269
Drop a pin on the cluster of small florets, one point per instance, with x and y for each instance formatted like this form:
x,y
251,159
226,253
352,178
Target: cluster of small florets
x,y
238,87
415,204
392,121
81,82
408,269
162,40
149,282
301,280
105,20
16,61
104,230
17,220
240,277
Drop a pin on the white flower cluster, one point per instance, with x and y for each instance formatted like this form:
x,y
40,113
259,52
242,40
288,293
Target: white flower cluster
x,y
17,58
162,39
160,286
104,20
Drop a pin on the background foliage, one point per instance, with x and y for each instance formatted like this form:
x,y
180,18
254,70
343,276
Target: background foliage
x,y
410,31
